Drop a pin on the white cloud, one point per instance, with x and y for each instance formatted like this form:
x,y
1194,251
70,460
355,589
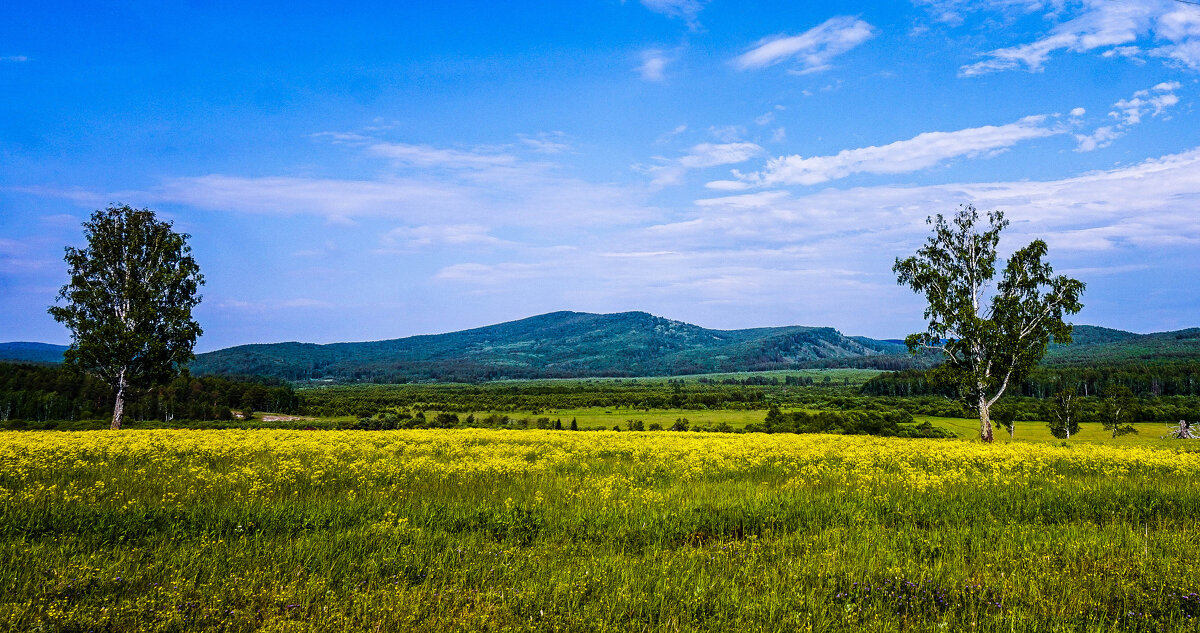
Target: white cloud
x,y
830,252
1148,204
687,10
1159,28
300,303
813,50
701,156
439,235
654,65
1101,137
727,133
14,58
1154,102
924,150
1078,112
494,274
1129,112
428,156
430,186
713,154
951,11
546,142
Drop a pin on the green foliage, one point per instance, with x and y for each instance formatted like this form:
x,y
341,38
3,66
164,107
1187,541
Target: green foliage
x,y
43,393
129,301
1006,418
1094,346
1117,410
1145,379
1064,414
885,423
987,345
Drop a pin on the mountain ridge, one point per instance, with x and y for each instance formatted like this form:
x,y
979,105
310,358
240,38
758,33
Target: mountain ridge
x,y
567,344
560,344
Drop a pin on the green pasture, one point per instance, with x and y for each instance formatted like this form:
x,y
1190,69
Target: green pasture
x,y
468,530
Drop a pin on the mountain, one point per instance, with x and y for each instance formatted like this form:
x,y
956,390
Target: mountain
x,y
579,344
560,345
1095,346
24,352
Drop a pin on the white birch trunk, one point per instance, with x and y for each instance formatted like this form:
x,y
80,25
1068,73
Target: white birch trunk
x,y
119,405
985,420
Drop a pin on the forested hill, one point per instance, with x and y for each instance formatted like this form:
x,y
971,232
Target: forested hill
x,y
1097,346
577,344
22,352
560,345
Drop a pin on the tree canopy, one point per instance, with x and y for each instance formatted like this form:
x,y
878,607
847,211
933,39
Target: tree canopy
x,y
129,301
990,338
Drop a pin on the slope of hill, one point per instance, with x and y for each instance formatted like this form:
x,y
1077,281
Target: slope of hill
x,y
578,344
559,345
1094,346
23,352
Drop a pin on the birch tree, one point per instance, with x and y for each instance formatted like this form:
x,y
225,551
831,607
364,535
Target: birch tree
x,y
1065,414
1117,410
990,337
129,301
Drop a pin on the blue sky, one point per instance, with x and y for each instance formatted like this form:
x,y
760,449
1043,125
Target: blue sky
x,y
391,169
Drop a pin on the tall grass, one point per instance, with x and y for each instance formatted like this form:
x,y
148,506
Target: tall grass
x,y
541,530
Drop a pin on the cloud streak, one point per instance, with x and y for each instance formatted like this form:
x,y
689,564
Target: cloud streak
x,y
920,152
813,50
687,10
1159,28
701,156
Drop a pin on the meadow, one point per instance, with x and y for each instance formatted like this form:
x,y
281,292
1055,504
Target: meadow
x,y
490,530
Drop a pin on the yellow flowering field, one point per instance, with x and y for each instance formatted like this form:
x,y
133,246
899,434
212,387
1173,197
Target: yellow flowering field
x,y
471,530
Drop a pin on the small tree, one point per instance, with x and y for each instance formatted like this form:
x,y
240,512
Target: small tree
x,y
129,301
1006,417
988,344
1116,410
1064,415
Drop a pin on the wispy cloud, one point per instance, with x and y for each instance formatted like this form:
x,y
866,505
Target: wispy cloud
x,y
427,186
670,171
831,251
1160,28
14,58
1146,204
654,65
546,142
953,11
922,151
427,156
410,237
812,50
687,10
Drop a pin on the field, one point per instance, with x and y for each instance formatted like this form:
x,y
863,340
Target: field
x,y
445,530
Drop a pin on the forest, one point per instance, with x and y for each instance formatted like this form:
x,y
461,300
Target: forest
x,y
44,394
48,393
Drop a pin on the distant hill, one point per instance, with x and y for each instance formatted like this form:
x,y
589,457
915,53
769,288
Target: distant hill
x,y
1094,346
560,345
23,352
580,344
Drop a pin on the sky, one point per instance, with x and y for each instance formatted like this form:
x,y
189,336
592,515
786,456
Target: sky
x,y
379,170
